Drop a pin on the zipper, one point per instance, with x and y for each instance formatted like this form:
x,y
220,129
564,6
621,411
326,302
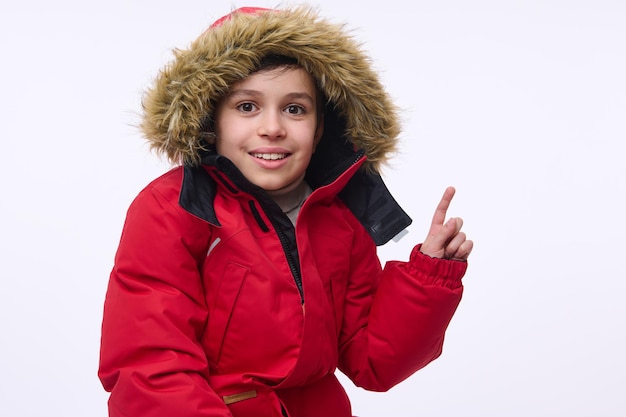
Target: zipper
x,y
293,264
286,243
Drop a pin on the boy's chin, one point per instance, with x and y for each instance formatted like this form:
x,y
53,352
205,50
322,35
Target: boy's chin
x,y
280,188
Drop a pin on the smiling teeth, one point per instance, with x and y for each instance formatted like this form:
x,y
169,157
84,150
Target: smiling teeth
x,y
270,156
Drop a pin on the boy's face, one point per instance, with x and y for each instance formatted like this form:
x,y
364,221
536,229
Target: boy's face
x,y
268,127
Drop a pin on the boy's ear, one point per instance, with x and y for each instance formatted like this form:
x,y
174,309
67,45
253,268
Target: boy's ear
x,y
319,132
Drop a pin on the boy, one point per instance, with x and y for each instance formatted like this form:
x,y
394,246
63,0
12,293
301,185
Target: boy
x,y
246,276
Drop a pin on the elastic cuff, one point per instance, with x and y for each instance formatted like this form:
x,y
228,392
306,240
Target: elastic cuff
x,y
436,271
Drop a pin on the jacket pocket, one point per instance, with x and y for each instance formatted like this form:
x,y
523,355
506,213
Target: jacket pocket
x,y
225,301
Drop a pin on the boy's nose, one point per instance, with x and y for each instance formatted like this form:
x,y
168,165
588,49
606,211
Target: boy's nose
x,y
271,125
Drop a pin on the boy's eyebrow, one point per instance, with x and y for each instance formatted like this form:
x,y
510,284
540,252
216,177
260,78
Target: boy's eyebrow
x,y
297,95
243,92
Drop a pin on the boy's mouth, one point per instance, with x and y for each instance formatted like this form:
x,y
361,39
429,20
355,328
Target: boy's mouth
x,y
270,156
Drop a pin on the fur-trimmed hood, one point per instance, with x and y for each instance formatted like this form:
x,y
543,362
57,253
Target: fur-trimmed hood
x,y
181,100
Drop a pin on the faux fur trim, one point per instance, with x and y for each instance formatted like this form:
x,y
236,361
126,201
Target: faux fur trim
x,y
183,96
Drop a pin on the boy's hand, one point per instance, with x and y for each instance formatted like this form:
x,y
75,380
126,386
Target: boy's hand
x,y
445,240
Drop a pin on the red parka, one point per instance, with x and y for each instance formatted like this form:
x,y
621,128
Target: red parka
x,y
218,306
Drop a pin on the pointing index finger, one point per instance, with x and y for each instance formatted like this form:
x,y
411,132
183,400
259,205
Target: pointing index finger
x,y
442,208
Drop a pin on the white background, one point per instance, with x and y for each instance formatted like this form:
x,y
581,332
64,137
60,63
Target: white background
x,y
519,104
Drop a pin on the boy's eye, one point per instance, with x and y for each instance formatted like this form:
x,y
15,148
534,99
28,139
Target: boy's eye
x,y
246,107
294,109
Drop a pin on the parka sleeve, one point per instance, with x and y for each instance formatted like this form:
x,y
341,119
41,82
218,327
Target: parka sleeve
x,y
154,316
395,319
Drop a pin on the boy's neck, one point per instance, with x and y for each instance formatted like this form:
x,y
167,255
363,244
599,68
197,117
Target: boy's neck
x,y
291,201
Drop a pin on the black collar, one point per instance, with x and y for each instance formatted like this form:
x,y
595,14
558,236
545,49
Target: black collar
x,y
365,194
